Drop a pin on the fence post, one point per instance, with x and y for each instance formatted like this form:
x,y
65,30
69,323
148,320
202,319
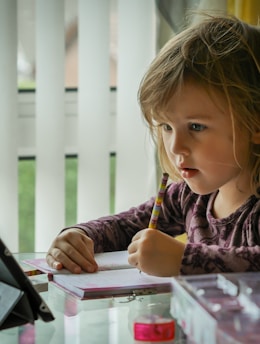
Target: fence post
x,y
50,189
93,110
135,173
8,125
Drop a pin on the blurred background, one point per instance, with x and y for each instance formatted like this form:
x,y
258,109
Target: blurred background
x,y
73,143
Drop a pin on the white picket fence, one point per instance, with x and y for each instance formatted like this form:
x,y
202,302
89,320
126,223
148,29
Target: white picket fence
x,y
89,123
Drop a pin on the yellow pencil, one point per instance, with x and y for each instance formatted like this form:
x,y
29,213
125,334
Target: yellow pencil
x,y
158,202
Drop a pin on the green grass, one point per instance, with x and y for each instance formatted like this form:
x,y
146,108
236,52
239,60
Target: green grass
x,y
26,85
71,166
26,185
112,182
26,173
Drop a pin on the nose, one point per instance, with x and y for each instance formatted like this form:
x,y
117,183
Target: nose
x,y
178,143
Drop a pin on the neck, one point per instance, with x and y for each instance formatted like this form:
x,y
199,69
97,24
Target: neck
x,y
227,203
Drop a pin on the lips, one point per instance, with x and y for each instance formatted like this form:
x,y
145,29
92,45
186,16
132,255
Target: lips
x,y
188,172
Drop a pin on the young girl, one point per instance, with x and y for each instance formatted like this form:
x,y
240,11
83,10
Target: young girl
x,y
201,100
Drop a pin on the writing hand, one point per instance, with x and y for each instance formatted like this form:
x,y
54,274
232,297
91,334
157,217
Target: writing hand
x,y
156,253
73,250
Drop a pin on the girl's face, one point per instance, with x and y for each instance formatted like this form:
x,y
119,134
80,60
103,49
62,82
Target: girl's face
x,y
198,138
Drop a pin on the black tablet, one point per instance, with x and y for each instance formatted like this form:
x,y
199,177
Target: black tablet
x,y
20,303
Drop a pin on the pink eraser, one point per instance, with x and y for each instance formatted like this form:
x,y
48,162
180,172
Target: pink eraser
x,y
154,328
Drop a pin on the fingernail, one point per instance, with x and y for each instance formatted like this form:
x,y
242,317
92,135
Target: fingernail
x,y
91,268
56,265
77,270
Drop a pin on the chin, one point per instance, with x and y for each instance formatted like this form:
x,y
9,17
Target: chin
x,y
201,190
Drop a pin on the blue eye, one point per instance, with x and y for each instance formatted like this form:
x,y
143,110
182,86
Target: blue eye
x,y
166,127
197,127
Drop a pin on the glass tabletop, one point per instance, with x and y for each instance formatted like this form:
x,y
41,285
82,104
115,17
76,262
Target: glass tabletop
x,y
99,321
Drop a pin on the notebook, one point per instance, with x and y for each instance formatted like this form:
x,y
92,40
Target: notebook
x,y
115,277
20,303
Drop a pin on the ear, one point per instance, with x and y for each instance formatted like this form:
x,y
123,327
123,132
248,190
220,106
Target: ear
x,y
256,138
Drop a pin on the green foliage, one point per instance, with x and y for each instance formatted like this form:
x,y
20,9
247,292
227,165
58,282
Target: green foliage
x,y
71,166
26,173
26,186
112,183
26,85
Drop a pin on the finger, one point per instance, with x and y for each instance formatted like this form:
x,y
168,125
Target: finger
x,y
132,259
78,248
75,260
137,236
83,254
58,260
72,259
53,263
133,246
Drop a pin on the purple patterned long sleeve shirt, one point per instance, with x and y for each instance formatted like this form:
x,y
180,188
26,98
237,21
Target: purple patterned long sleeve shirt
x,y
230,244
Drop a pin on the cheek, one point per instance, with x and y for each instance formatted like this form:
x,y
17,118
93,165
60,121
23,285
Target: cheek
x,y
217,153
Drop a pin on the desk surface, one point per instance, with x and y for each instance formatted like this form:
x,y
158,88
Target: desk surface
x,y
100,321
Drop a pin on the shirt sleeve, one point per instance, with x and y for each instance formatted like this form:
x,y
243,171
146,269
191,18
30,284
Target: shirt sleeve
x,y
115,232
202,259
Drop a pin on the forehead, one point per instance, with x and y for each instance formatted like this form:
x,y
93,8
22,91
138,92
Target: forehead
x,y
193,99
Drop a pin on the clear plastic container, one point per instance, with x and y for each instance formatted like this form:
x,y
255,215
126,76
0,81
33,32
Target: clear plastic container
x,y
218,308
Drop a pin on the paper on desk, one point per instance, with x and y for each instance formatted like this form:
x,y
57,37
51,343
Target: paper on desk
x,y
111,283
106,261
107,279
114,277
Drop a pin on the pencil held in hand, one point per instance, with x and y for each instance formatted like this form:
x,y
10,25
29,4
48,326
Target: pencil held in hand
x,y
158,202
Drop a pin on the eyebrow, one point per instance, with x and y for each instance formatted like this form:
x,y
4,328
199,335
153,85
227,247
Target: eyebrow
x,y
200,116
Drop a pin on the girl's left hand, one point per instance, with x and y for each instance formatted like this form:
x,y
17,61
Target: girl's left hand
x,y
156,253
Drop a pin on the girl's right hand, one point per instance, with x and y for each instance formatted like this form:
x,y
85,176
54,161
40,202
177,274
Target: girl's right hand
x,y
72,250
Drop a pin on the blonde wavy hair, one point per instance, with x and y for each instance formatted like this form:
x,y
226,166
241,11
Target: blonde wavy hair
x,y
222,54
